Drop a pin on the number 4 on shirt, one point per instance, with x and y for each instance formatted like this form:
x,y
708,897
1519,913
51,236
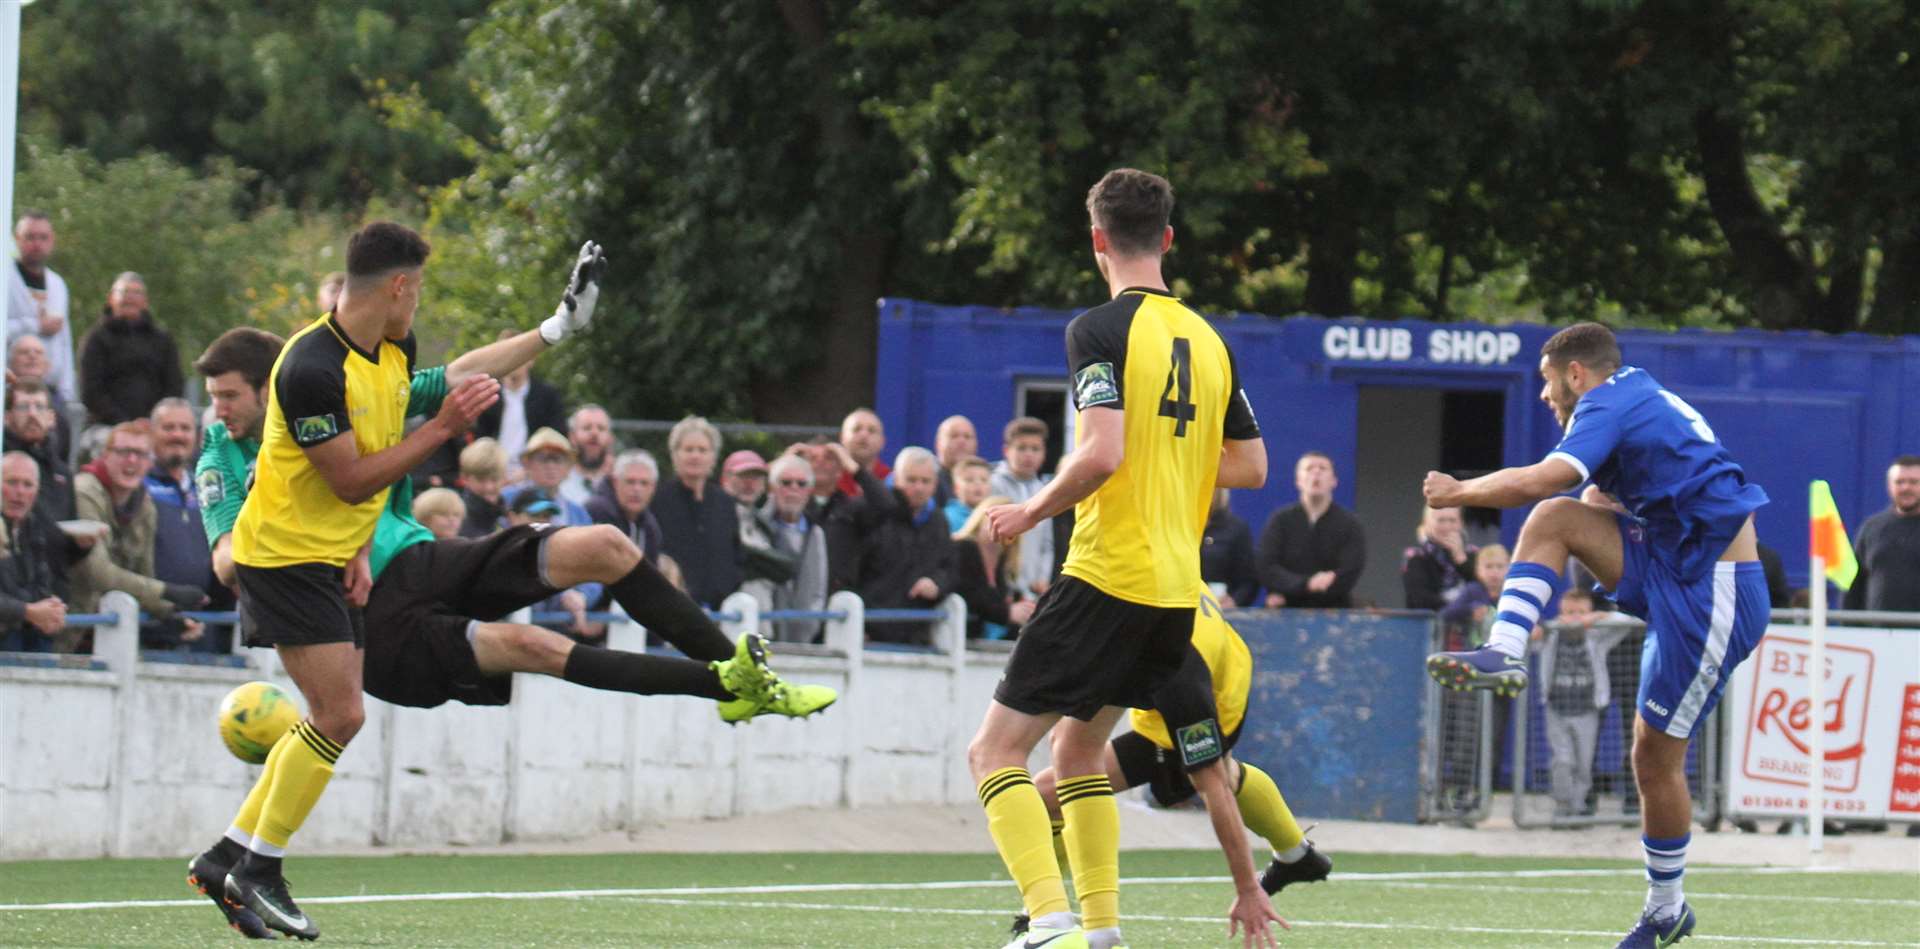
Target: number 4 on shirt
x,y
1180,406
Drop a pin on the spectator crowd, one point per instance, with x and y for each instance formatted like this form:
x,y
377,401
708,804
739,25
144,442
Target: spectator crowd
x,y
105,500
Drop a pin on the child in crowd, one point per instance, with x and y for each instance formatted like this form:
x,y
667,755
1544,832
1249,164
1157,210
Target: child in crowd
x,y
972,483
1573,665
441,511
1024,446
1470,613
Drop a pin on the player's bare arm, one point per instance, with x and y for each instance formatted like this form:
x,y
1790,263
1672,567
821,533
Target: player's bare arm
x,y
354,478
223,561
1508,487
571,316
1252,912
497,358
1102,447
1243,463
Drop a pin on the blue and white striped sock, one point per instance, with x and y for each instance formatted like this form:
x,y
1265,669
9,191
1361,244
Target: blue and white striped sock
x,y
1528,590
1666,866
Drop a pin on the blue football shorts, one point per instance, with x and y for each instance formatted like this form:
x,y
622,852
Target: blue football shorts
x,y
1697,630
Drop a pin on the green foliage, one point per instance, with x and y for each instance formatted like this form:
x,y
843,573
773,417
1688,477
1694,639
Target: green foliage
x,y
761,172
209,264
676,135
280,87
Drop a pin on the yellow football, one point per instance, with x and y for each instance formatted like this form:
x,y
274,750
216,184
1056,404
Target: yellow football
x,y
253,717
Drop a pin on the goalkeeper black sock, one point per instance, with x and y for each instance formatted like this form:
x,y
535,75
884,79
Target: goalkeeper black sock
x,y
654,603
641,674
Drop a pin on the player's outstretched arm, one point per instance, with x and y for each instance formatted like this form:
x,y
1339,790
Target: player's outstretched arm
x,y
1252,913
1508,487
1103,445
572,315
354,478
1243,463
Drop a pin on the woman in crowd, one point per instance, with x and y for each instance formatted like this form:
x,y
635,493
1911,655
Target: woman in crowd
x,y
984,575
699,526
1436,566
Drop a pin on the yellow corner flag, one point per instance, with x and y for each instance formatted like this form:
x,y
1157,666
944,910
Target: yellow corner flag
x,y
1829,538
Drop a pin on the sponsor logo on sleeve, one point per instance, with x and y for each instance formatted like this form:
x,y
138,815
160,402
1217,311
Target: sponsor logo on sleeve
x,y
211,486
314,428
1095,385
1199,743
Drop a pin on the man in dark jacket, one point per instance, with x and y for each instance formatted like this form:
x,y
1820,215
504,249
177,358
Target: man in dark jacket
x,y
1311,553
1888,546
127,362
634,477
180,553
526,405
29,430
33,571
906,551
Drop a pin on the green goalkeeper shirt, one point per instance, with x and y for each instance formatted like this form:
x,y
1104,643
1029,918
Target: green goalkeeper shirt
x,y
224,472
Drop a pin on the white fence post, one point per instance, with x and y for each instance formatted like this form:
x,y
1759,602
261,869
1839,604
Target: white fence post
x,y
848,634
628,636
950,634
119,646
516,720
747,608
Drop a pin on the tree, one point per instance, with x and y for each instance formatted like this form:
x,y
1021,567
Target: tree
x,y
284,88
719,154
1726,163
209,265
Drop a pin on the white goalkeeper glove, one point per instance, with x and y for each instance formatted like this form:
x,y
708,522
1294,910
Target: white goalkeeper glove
x,y
583,291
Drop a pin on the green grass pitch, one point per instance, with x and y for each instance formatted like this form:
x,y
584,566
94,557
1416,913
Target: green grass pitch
x,y
944,900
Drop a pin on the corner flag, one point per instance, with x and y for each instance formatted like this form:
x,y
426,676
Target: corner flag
x,y
1829,537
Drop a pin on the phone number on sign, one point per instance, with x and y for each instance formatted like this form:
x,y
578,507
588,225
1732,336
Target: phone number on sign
x,y
1841,805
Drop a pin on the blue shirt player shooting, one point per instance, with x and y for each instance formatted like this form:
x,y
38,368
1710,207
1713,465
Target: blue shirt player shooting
x,y
1668,527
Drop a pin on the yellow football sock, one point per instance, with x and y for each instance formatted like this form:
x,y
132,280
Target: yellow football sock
x,y
1017,819
1093,844
249,817
1265,811
301,765
1060,849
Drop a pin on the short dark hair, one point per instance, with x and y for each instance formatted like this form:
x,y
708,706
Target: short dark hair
x,y
1906,461
1577,593
27,386
1133,207
1590,344
383,246
31,214
1026,426
243,349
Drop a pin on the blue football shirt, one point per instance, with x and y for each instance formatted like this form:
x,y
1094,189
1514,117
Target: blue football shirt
x,y
1654,453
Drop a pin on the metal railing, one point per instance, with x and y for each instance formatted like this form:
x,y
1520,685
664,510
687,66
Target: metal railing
x,y
1571,767
845,620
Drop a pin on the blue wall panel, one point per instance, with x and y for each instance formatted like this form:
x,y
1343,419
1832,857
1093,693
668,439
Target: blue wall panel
x,y
1334,714
1790,406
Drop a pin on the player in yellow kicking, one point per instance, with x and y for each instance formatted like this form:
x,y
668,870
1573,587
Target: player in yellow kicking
x,y
1196,721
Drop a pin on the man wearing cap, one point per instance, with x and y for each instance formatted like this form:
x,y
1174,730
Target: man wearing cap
x,y
546,460
744,477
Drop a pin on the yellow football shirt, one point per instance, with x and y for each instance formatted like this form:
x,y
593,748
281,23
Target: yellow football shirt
x,y
1231,666
1137,538
322,387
